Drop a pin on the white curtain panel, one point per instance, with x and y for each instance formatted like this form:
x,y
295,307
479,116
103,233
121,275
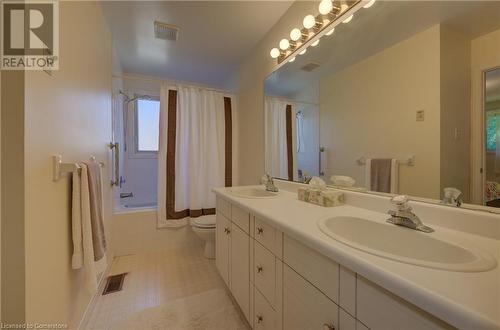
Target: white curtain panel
x,y
276,161
199,157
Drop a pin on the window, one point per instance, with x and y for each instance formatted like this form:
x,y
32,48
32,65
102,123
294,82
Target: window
x,y
147,125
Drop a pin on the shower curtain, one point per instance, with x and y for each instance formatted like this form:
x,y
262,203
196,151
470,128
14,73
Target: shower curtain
x,y
195,153
279,142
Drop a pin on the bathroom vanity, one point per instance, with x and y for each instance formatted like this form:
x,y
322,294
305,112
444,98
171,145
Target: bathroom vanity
x,y
284,272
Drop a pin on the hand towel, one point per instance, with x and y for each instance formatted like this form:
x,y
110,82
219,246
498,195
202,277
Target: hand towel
x,y
96,215
381,175
83,250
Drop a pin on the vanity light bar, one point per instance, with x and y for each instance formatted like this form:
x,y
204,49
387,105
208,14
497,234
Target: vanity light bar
x,y
332,13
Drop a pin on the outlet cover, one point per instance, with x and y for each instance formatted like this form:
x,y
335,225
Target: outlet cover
x,y
420,115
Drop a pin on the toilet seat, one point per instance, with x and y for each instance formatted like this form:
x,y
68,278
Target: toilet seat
x,y
207,221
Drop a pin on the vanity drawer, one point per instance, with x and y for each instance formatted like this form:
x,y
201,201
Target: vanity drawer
x,y
224,207
241,218
265,272
304,306
265,316
379,309
322,272
268,236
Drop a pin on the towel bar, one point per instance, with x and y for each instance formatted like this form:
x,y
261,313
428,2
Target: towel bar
x,y
60,168
409,162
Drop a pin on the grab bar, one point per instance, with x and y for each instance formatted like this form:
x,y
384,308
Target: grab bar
x,y
115,147
321,151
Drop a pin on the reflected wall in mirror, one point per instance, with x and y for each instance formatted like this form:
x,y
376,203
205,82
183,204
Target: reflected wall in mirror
x,y
385,104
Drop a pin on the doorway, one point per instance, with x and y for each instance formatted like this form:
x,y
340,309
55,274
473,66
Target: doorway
x,y
492,138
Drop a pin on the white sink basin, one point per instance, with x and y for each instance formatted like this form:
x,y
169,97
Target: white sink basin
x,y
405,245
252,192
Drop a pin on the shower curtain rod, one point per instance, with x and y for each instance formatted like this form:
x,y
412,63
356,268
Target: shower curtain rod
x,y
290,100
173,82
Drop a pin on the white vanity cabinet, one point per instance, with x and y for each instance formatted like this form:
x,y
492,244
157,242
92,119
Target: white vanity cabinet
x,y
222,246
279,283
232,256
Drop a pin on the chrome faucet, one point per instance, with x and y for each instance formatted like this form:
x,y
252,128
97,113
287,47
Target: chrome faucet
x,y
269,183
452,196
403,215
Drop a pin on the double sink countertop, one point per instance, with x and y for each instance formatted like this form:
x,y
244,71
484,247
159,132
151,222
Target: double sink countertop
x,y
466,300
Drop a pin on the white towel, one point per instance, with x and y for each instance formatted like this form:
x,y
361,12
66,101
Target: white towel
x,y
394,176
368,174
83,250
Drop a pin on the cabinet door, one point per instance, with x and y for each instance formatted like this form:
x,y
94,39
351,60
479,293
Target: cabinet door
x,y
240,269
304,306
222,241
265,316
379,309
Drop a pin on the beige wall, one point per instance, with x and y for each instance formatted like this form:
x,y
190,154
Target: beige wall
x,y
378,99
250,89
485,55
68,113
455,110
0,197
13,214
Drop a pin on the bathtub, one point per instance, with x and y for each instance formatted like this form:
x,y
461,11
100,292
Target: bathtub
x,y
135,231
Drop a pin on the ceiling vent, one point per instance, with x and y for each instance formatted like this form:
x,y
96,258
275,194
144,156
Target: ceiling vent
x,y
166,31
310,66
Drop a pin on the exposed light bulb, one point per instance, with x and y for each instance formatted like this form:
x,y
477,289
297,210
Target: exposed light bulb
x,y
314,44
275,52
309,21
303,52
284,44
369,4
348,19
329,33
295,34
292,59
325,6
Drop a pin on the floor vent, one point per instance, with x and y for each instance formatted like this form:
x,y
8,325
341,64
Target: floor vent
x,y
114,283
166,31
310,66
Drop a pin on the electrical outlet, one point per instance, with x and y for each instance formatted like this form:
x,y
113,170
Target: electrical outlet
x,y
420,115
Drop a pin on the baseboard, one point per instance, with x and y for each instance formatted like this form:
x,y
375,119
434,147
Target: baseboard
x,y
100,287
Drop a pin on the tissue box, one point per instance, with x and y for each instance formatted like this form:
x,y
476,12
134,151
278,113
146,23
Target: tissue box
x,y
327,198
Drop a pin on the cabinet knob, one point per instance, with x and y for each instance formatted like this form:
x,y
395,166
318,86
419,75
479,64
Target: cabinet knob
x,y
328,326
259,319
226,230
260,230
259,269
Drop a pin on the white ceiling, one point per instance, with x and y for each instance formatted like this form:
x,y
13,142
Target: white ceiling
x,y
379,27
214,39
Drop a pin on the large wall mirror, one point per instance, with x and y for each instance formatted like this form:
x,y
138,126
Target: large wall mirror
x,y
387,104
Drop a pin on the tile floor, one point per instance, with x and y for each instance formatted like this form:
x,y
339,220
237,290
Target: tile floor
x,y
173,289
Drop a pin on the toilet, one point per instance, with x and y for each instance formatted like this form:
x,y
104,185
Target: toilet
x,y
204,227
